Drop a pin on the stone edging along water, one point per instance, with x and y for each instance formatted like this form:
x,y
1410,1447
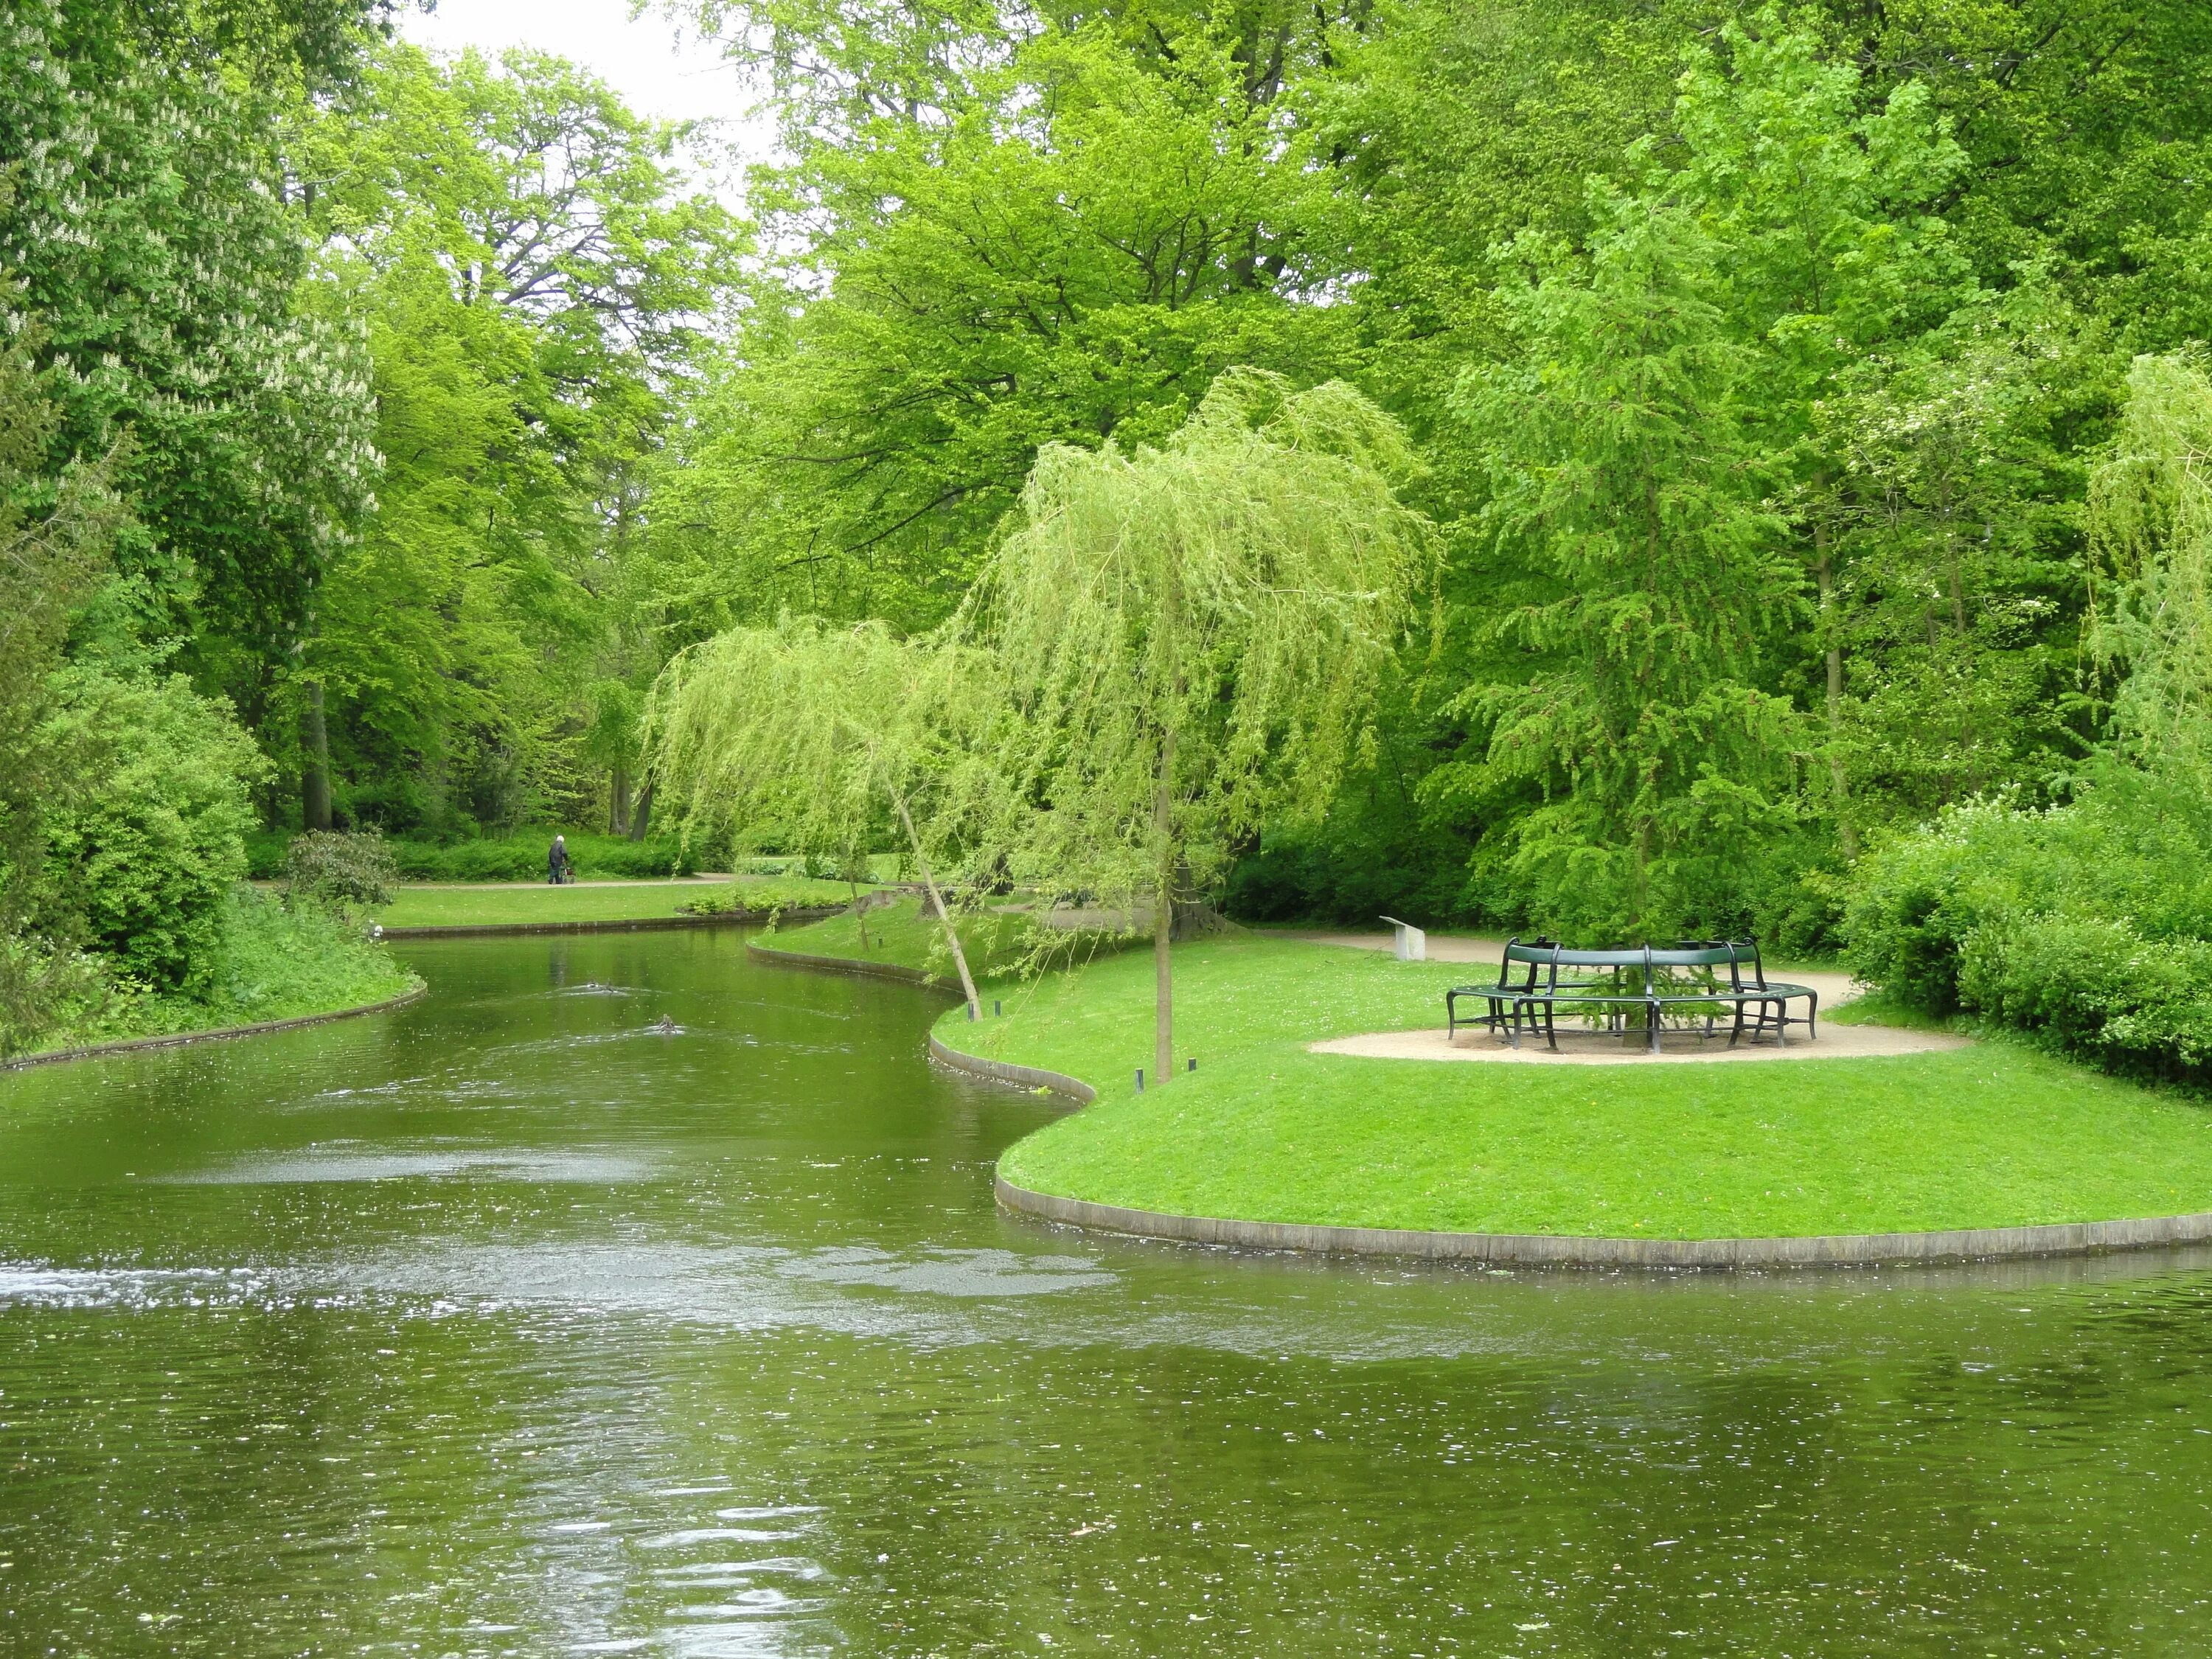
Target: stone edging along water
x,y
178,1039
1545,1249
846,964
1550,1249
1000,1071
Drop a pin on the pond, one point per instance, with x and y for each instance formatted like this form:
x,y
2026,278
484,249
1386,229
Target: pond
x,y
511,1324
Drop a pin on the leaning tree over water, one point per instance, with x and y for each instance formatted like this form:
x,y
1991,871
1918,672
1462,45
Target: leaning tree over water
x,y
833,734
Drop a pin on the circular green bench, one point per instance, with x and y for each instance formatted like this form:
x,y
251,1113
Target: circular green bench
x,y
1686,978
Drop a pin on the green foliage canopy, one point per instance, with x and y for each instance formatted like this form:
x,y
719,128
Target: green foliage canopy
x,y
1189,637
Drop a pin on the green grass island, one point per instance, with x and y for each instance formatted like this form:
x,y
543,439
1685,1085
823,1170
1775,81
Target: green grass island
x,y
1995,1134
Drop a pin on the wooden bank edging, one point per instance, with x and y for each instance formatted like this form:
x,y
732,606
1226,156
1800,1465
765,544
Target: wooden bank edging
x,y
635,925
178,1039
1556,1250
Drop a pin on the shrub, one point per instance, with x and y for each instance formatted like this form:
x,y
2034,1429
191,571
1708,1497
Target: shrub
x,y
271,963
2089,925
46,987
142,857
266,961
340,872
2097,987
265,854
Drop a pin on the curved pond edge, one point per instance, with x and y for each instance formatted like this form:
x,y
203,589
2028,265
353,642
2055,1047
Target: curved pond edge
x,y
217,1034
849,966
1961,1244
1000,1071
1556,1250
635,925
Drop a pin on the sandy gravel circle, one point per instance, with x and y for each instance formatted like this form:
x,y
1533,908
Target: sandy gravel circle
x,y
1589,1049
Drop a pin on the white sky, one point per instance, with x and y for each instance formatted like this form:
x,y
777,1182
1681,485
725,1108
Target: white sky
x,y
658,71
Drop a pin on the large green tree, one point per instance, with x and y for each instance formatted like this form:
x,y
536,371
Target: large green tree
x,y
1635,444
147,226
533,267
1066,243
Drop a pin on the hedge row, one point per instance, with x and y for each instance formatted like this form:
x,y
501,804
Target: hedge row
x,y
517,857
2088,926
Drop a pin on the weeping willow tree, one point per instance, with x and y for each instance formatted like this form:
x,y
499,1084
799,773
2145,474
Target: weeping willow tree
x,y
1188,640
2150,520
829,733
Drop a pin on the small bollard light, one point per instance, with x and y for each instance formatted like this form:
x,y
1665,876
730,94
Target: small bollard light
x,y
997,1009
1192,1067
1140,1080
971,1012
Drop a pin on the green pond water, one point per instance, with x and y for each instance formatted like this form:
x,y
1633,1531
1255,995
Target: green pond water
x,y
507,1324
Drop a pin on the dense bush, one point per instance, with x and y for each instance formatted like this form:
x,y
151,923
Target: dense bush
x,y
2089,925
142,856
272,963
1348,875
340,872
264,962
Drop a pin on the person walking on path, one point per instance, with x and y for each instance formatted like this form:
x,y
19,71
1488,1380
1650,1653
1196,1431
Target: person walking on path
x,y
556,862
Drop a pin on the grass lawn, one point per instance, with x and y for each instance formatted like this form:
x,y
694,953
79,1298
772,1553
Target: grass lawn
x,y
1994,1135
520,904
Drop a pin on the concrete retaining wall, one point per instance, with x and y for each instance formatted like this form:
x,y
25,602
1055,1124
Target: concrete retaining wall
x,y
1542,1249
1000,1071
849,965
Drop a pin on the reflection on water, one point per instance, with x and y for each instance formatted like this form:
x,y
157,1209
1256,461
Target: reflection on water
x,y
514,1324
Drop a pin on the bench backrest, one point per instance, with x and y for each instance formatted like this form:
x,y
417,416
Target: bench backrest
x,y
1744,954
1632,958
1542,955
1531,954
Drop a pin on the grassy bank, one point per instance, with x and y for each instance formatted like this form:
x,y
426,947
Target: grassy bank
x,y
901,935
1991,1136
531,906
272,963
